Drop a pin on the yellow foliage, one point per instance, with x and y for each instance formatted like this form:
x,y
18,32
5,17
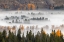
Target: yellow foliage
x,y
44,32
23,6
58,33
13,28
9,28
5,6
31,6
21,27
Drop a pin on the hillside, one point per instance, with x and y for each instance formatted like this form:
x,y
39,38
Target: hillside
x,y
31,4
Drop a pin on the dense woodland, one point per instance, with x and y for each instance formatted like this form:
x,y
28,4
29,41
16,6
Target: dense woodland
x,y
30,37
30,4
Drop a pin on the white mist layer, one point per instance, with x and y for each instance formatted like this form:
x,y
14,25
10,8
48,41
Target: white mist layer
x,y
56,18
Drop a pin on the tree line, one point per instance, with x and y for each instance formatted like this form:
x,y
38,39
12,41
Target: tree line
x,y
30,37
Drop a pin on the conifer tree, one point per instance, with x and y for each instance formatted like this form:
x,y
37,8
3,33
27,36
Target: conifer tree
x,y
37,37
3,40
19,35
23,38
0,37
4,34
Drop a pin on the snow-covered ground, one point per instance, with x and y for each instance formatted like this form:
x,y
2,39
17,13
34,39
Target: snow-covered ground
x,y
56,18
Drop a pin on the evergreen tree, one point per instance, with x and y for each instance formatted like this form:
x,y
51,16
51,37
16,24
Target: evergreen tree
x,y
15,38
37,37
11,37
43,36
4,34
33,39
23,38
47,38
0,37
19,35
30,37
27,39
52,36
3,40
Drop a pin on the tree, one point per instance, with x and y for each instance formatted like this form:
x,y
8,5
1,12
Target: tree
x,y
33,6
3,40
43,36
4,34
11,37
47,38
0,37
19,35
23,38
37,37
52,36
21,27
58,33
30,35
33,39
15,38
29,6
